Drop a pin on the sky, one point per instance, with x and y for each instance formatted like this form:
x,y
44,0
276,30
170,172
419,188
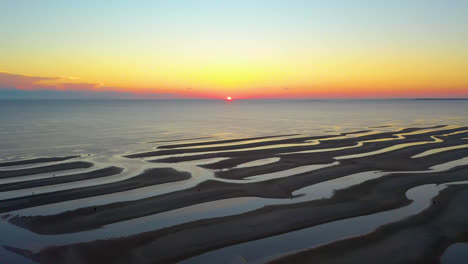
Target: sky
x,y
243,48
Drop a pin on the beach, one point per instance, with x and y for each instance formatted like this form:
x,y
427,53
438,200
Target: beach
x,y
240,199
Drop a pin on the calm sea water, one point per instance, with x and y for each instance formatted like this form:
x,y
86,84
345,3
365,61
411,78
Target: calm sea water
x,y
41,127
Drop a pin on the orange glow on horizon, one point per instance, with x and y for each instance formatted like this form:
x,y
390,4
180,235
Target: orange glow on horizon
x,y
278,90
211,49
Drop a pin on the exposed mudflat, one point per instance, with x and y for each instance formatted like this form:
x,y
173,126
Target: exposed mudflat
x,y
197,202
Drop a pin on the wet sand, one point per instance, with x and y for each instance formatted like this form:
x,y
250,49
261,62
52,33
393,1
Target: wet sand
x,y
423,238
160,246
45,169
61,179
220,141
263,153
35,161
84,219
149,177
294,140
341,155
177,140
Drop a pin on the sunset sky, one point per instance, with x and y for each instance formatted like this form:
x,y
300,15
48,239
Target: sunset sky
x,y
242,48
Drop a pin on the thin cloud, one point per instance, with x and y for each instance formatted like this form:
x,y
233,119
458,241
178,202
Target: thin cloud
x,y
18,86
22,81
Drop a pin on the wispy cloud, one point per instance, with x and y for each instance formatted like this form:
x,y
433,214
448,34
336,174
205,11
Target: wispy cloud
x,y
18,86
67,94
22,81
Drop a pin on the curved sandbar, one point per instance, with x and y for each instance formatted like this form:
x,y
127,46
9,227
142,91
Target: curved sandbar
x,y
61,179
424,237
149,177
329,143
46,169
301,159
221,141
166,152
85,218
177,140
163,246
240,147
34,161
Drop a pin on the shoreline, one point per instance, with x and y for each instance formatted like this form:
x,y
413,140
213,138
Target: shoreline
x,y
271,220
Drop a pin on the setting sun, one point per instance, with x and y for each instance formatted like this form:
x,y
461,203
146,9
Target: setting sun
x,y
229,98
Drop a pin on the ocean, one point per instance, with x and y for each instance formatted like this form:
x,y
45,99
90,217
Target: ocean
x,y
58,127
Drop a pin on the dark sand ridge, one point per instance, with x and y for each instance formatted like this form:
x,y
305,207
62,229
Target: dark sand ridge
x,y
281,187
176,140
45,169
34,161
84,218
423,237
164,246
222,141
265,153
232,147
256,138
301,159
61,179
149,177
